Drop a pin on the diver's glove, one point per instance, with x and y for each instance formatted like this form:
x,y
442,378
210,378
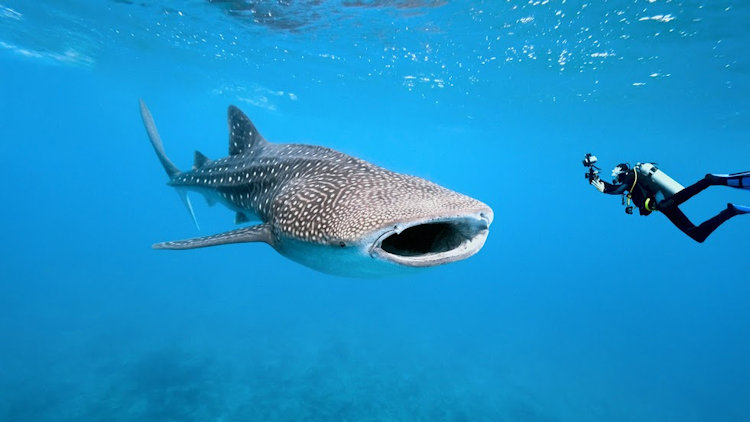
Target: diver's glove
x,y
598,184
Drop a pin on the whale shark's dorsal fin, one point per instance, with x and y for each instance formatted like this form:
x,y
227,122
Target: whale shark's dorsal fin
x,y
200,160
243,136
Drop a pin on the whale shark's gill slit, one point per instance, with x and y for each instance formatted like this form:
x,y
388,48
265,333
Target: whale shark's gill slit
x,y
424,239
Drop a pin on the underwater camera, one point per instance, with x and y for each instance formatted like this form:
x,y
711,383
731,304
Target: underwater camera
x,y
589,160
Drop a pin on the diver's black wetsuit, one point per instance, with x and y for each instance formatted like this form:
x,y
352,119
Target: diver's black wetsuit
x,y
642,197
639,195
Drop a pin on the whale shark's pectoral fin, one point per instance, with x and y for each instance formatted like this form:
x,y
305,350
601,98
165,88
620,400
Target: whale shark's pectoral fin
x,y
259,233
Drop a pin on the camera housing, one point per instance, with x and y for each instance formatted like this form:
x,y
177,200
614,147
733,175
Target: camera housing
x,y
589,160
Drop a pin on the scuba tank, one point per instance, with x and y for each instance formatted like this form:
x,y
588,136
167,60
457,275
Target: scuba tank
x,y
656,181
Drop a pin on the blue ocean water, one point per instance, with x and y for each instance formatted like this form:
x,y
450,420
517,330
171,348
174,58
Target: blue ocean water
x,y
573,311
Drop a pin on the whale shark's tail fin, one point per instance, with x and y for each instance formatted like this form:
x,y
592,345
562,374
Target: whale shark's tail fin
x,y
169,167
186,200
153,135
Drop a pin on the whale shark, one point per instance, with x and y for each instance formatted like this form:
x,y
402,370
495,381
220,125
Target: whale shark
x,y
325,209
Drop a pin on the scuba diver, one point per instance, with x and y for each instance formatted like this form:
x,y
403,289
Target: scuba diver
x,y
650,189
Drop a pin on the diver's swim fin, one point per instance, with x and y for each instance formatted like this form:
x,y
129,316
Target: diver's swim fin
x,y
739,209
735,180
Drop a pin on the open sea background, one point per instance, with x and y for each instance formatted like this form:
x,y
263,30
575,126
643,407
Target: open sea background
x,y
573,311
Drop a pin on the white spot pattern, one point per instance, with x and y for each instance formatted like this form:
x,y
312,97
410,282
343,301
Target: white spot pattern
x,y
317,194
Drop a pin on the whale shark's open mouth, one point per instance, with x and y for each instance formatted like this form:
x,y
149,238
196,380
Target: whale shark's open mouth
x,y
433,242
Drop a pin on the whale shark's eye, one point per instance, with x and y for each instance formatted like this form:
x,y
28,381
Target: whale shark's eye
x,y
342,244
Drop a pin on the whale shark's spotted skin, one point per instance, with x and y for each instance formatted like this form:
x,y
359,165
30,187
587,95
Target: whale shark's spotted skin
x,y
310,195
297,185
